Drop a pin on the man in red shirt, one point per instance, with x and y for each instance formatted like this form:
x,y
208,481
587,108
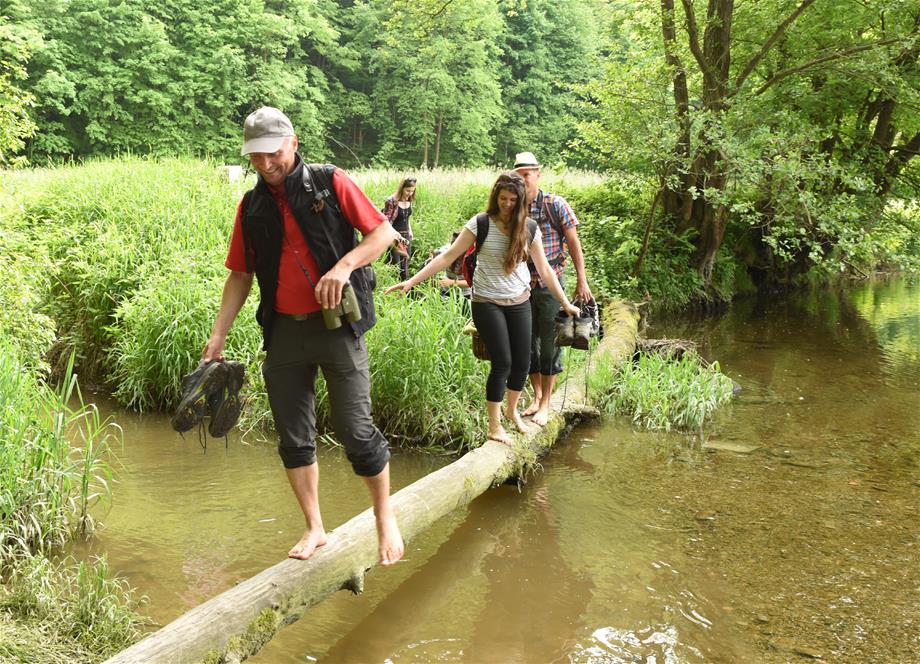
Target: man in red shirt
x,y
295,233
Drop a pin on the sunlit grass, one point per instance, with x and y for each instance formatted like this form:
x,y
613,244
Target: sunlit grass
x,y
660,393
65,611
136,250
53,465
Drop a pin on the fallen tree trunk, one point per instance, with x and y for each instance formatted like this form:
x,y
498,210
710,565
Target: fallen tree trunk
x,y
240,621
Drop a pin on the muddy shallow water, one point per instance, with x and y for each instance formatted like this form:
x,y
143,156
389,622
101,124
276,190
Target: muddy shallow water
x,y
630,546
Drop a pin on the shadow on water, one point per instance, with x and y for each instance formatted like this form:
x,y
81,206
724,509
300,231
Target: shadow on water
x,y
629,546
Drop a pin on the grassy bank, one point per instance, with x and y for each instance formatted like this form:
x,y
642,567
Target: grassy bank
x,y
53,469
133,255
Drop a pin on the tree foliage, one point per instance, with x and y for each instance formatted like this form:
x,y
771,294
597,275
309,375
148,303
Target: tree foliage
x,y
426,82
18,40
783,125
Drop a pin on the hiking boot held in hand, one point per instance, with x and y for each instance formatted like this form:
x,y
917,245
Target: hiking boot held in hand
x,y
565,329
593,311
207,379
225,405
584,327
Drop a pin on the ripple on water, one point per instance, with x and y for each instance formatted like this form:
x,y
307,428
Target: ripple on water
x,y
658,644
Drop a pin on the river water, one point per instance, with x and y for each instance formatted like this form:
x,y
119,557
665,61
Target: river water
x,y
788,530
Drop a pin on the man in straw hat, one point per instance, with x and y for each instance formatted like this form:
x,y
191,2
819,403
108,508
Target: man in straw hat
x,y
295,232
558,226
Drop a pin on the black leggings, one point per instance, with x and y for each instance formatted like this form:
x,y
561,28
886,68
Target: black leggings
x,y
506,334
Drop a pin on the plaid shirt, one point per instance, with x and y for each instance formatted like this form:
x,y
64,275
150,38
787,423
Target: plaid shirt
x,y
553,245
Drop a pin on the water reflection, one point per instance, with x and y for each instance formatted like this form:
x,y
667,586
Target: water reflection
x,y
893,312
798,535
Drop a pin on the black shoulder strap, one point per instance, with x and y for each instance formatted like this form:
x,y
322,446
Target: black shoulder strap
x,y
532,227
247,245
482,229
317,180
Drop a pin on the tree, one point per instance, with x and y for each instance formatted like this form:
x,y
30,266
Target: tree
x,y
435,81
18,40
751,128
548,49
174,76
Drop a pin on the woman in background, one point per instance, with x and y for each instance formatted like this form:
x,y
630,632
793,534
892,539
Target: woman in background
x,y
397,209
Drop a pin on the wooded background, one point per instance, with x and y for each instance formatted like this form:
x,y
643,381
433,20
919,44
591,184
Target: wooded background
x,y
784,129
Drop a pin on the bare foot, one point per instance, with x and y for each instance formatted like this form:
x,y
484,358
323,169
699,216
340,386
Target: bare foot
x,y
532,408
519,424
310,541
541,416
499,435
390,540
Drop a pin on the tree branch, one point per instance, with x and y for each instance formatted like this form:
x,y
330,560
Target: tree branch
x,y
693,32
767,45
441,10
839,55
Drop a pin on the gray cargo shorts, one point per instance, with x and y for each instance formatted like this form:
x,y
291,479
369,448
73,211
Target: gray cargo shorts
x,y
545,356
297,349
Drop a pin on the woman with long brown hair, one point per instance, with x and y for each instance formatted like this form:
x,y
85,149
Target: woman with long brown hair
x,y
501,292
397,209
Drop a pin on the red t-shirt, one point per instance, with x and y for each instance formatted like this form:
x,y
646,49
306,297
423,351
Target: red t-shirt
x,y
295,294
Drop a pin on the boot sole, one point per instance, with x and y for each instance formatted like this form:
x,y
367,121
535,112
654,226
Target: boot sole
x,y
192,408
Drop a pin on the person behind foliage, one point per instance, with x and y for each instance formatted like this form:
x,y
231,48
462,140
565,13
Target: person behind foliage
x,y
558,227
501,293
397,209
453,274
295,232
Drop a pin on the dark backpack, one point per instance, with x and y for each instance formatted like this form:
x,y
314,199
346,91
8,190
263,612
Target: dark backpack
x,y
482,230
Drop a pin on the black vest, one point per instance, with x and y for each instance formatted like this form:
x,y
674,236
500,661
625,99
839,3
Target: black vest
x,y
328,234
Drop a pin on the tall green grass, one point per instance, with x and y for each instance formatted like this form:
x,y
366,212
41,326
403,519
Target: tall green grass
x,y
661,393
135,270
53,469
53,465
65,612
427,387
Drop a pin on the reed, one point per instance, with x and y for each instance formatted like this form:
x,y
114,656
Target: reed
x,y
77,610
658,393
53,470
134,270
53,466
427,388
136,250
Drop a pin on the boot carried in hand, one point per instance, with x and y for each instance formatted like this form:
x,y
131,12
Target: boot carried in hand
x,y
198,386
586,325
565,329
225,405
212,388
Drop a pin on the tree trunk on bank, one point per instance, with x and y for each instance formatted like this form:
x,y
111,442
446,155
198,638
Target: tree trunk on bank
x,y
239,622
437,142
688,207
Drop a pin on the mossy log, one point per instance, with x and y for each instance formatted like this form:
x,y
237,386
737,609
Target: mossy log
x,y
240,621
